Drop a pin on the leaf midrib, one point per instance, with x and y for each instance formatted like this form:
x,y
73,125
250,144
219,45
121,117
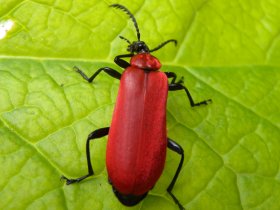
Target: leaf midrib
x,y
110,61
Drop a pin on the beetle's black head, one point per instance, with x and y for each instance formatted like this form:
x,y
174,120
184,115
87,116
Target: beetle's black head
x,y
138,46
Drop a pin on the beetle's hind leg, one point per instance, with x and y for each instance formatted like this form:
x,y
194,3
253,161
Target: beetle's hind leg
x,y
108,70
176,148
93,135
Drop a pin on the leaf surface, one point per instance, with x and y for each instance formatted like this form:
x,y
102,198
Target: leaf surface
x,y
228,52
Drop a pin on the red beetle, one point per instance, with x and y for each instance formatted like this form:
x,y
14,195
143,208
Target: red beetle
x,y
137,143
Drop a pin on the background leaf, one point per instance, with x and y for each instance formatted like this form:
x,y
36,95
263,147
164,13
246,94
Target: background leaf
x,y
228,51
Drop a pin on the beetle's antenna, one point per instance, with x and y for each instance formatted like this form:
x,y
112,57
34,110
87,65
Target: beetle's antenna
x,y
118,6
164,43
125,39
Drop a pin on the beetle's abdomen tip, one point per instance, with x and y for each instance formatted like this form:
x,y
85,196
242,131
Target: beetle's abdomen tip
x,y
129,200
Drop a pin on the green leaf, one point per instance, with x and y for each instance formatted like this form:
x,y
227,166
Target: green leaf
x,y
227,51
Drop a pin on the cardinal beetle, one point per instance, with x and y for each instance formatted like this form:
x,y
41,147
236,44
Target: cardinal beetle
x,y
137,142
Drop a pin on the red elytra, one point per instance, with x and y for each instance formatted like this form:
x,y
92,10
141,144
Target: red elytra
x,y
137,142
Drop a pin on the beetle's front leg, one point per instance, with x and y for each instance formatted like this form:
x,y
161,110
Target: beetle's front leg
x,y
108,70
122,63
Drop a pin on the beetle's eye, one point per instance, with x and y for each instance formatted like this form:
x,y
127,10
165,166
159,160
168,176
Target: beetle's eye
x,y
139,47
130,48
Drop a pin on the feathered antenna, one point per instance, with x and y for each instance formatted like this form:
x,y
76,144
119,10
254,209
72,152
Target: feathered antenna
x,y
118,6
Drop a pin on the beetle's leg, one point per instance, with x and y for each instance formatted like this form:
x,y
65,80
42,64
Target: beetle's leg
x,y
122,63
179,86
174,76
108,70
176,148
93,135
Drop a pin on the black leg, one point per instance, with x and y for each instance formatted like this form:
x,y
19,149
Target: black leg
x,y
111,72
174,76
93,135
179,86
122,63
176,148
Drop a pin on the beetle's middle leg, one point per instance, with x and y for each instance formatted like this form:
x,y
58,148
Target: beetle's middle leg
x,y
174,77
178,149
93,135
108,70
180,86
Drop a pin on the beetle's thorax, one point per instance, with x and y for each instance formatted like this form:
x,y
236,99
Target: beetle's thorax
x,y
142,59
145,61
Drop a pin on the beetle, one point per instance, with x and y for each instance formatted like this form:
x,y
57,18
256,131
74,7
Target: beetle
x,y
137,137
